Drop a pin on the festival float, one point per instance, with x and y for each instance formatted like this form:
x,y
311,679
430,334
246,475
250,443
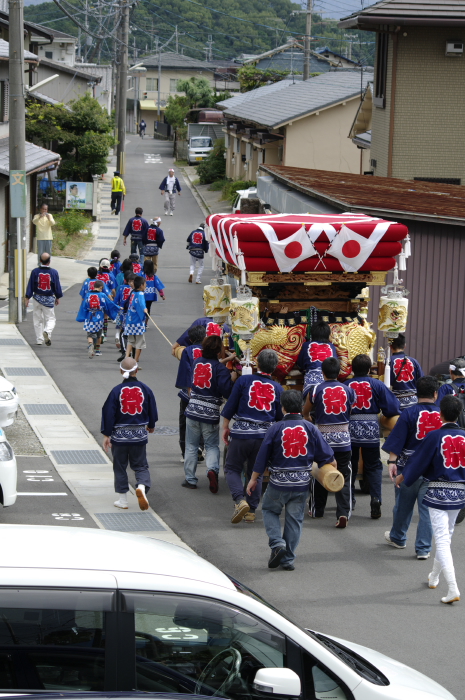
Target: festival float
x,y
291,270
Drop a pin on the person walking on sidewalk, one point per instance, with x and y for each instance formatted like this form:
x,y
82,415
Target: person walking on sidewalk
x,y
291,445
44,289
137,229
197,245
43,223
118,190
169,187
441,460
414,424
128,414
254,405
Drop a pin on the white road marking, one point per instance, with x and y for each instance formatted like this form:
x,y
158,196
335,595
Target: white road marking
x,y
152,158
40,475
67,516
35,493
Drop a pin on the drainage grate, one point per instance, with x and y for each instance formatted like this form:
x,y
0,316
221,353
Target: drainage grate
x,y
12,341
78,457
25,371
47,409
130,522
166,430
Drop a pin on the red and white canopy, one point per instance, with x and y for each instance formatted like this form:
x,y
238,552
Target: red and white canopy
x,y
307,242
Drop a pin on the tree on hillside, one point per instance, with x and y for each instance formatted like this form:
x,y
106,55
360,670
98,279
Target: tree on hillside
x,y
81,135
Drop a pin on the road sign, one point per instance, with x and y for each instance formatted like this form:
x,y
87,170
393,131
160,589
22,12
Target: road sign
x,y
18,193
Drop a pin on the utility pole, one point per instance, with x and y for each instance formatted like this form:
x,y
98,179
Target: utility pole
x,y
177,40
308,31
157,39
123,87
17,139
136,89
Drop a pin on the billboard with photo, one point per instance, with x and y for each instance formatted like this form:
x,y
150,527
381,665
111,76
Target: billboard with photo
x,y
79,195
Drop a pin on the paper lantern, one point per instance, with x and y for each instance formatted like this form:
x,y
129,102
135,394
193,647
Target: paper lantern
x,y
217,299
244,313
393,311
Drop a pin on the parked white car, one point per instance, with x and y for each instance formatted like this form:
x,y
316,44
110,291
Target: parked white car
x,y
86,609
8,403
199,148
8,472
250,193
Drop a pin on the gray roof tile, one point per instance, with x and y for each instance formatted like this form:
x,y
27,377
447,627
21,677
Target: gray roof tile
x,y
292,101
177,60
4,52
37,158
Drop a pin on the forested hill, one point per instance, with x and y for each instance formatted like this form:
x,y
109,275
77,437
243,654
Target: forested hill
x,y
268,23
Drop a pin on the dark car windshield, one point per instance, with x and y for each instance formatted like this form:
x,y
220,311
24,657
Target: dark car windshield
x,y
357,663
201,142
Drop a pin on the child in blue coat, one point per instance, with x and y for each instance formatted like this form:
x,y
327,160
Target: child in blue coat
x,y
93,310
135,319
153,284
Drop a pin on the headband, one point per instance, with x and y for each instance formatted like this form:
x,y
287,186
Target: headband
x,y
455,369
128,372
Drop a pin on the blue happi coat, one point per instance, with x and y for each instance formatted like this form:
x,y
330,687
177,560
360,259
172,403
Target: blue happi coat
x,y
441,460
108,279
332,406
115,266
153,239
211,328
136,228
135,317
311,357
93,310
210,383
128,411
292,445
415,422
372,396
122,296
152,285
183,380
405,372
44,285
197,243
88,286
254,404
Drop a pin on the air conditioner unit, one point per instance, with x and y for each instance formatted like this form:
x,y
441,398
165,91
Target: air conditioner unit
x,y
454,48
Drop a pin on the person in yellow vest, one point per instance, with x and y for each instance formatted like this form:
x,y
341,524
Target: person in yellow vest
x,y
43,223
118,190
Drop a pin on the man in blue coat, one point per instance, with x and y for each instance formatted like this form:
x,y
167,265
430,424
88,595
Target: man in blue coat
x,y
197,245
290,446
184,377
254,405
137,229
405,372
440,460
169,187
128,414
45,289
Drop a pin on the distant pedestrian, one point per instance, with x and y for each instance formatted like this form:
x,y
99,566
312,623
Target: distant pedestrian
x,y
332,404
414,424
142,128
405,372
118,190
45,289
44,235
254,405
441,460
152,242
197,245
135,319
211,381
373,397
288,449
137,229
169,187
129,413
95,308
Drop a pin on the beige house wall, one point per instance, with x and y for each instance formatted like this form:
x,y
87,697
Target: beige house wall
x,y
321,141
428,137
166,76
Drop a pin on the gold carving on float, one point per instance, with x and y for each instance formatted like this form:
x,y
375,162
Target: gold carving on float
x,y
351,339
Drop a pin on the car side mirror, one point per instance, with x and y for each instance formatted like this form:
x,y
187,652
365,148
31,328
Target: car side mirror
x,y
277,681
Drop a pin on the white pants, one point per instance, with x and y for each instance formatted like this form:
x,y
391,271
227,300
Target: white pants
x,y
170,202
43,318
443,523
199,263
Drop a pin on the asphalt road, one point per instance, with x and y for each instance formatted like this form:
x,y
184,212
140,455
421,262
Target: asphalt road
x,y
347,583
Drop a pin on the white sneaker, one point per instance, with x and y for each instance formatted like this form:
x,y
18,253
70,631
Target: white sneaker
x,y
40,342
387,537
171,213
122,502
198,281
141,497
90,350
182,460
424,556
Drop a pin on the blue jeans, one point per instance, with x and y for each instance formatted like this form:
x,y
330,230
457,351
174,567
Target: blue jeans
x,y
211,438
402,516
293,503
137,247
